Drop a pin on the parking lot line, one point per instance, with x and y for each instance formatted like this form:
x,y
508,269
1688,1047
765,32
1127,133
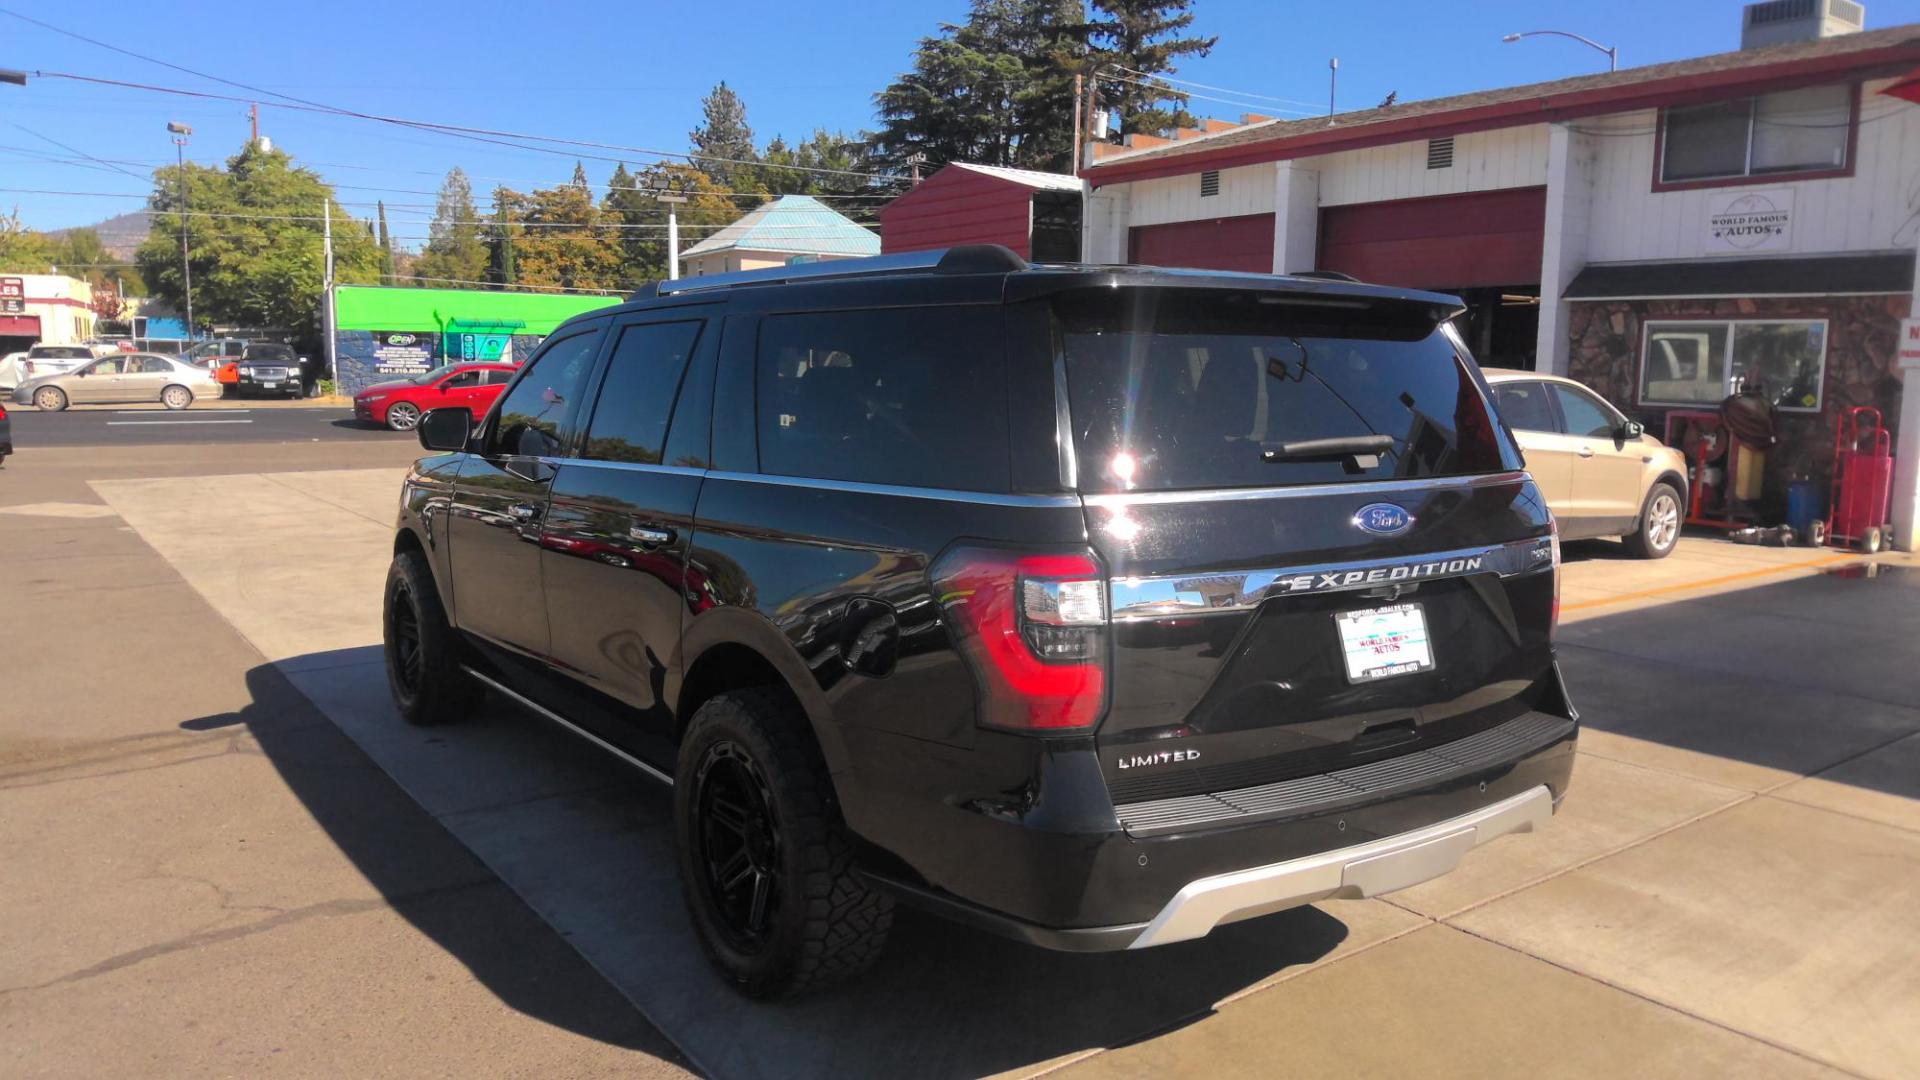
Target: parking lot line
x,y
143,412
169,423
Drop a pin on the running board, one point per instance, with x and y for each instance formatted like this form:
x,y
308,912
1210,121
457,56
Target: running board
x,y
533,706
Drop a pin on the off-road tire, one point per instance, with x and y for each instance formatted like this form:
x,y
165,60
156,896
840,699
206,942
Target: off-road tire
x,y
827,923
1660,519
433,690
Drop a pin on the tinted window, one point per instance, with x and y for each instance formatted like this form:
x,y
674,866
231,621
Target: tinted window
x,y
496,377
58,352
463,379
532,412
1524,406
1173,389
153,365
1584,413
910,396
275,353
636,400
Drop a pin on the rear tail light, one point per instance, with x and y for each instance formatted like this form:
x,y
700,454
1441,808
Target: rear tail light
x,y
1553,540
1034,629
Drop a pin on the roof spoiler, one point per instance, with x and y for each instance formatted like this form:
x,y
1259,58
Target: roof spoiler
x,y
964,259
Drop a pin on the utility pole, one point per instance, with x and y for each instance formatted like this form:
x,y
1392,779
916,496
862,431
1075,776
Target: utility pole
x,y
253,121
326,306
1079,81
180,133
1333,83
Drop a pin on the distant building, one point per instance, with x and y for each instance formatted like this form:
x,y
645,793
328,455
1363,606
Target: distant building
x,y
791,228
50,309
1036,214
386,333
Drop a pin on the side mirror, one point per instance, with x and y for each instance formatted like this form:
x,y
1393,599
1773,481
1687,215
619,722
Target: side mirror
x,y
446,430
1630,430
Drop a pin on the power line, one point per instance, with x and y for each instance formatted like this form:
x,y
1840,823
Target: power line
x,y
1313,106
479,134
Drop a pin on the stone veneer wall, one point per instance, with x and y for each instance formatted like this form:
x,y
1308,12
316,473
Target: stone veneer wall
x,y
1861,367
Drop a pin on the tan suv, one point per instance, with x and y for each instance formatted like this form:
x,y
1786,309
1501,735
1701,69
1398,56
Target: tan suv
x,y
1601,473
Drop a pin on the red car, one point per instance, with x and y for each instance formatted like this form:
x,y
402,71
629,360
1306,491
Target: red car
x,y
400,403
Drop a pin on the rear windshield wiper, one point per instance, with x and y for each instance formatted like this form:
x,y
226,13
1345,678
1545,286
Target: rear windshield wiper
x,y
1341,446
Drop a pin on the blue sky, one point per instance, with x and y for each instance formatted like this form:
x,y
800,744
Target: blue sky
x,y
633,73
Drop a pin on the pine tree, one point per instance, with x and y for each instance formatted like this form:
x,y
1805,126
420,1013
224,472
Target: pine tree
x,y
1141,36
723,143
629,211
502,264
997,90
454,252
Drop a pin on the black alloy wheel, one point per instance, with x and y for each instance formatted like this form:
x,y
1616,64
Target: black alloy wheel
x,y
738,842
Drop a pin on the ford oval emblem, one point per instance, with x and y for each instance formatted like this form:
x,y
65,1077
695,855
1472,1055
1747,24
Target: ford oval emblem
x,y
1382,519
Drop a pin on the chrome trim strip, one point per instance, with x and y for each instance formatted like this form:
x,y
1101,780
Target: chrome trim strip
x,y
628,466
944,494
1137,598
1382,866
1357,488
533,706
1063,426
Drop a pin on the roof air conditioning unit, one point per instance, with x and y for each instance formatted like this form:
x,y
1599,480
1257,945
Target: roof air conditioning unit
x,y
1782,22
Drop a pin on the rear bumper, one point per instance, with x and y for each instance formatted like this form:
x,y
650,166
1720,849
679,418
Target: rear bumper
x,y
1352,873
1080,889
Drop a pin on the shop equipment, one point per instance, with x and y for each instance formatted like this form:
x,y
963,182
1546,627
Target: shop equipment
x,y
1862,481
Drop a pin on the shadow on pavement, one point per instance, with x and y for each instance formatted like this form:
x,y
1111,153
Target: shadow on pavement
x,y
585,842
1798,674
426,874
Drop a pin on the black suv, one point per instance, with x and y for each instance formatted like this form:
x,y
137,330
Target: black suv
x,y
1093,606
267,367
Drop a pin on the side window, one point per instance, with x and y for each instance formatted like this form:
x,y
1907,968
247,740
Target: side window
x,y
531,414
1584,413
910,396
153,365
496,377
462,380
636,400
1524,406
110,366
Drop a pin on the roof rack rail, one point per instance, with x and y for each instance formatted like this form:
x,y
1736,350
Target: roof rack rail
x,y
1325,275
965,259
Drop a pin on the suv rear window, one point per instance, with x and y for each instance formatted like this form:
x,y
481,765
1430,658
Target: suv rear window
x,y
58,352
908,396
1181,389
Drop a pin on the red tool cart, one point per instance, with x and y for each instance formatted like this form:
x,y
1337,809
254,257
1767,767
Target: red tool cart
x,y
1862,482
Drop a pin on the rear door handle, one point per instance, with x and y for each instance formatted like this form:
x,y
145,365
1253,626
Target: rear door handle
x,y
651,535
523,512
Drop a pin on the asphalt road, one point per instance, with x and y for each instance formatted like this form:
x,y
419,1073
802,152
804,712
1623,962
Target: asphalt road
x,y
107,426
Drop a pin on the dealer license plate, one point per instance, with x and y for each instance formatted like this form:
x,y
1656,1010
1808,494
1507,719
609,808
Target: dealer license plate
x,y
1380,643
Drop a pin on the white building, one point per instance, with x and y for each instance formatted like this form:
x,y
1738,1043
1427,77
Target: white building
x,y
791,228
44,308
1659,233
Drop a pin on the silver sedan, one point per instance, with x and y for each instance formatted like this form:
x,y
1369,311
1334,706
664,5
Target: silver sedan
x,y
123,378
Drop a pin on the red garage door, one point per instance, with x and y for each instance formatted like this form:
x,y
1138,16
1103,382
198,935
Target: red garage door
x,y
1234,243
1447,242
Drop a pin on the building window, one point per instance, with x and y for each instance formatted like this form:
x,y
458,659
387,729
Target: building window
x,y
1795,131
1210,183
1440,153
1701,362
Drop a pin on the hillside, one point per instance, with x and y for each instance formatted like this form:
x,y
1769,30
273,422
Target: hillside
x,y
120,234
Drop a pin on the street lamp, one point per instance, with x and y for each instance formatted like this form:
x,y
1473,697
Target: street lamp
x,y
180,133
671,191
1613,54
17,78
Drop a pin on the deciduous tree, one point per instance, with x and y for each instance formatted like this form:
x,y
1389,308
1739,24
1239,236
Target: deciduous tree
x,y
254,227
23,251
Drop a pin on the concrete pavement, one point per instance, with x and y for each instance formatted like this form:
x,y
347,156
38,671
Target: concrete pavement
x,y
203,876
1727,889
